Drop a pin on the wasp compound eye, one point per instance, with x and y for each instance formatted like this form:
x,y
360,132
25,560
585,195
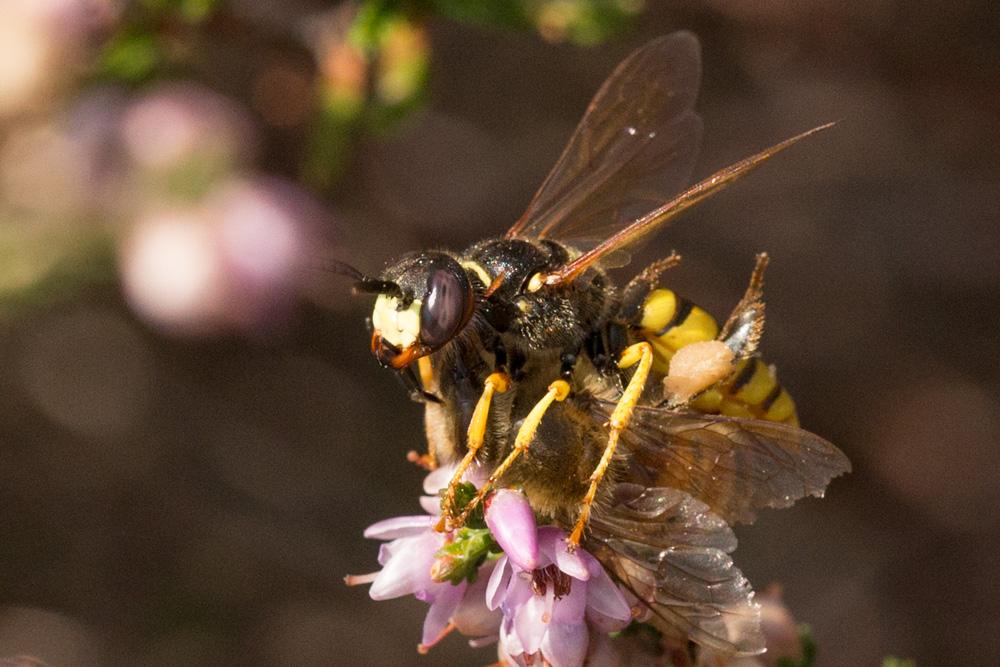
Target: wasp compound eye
x,y
448,303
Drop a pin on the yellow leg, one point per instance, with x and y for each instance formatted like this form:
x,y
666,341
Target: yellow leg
x,y
426,374
643,354
496,382
558,391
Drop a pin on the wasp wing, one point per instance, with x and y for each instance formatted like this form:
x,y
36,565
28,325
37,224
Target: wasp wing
x,y
672,553
735,466
634,148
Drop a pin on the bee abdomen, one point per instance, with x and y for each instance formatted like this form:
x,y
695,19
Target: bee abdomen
x,y
670,322
752,391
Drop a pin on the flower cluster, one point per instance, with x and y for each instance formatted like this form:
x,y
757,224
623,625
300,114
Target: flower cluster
x,y
500,578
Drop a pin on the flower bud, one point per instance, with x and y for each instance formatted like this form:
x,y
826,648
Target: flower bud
x,y
512,522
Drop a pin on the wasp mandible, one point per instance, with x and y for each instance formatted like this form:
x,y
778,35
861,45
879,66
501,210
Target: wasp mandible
x,y
532,362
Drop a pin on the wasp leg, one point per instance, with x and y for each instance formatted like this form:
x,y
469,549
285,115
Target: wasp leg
x,y
496,382
558,391
641,353
742,331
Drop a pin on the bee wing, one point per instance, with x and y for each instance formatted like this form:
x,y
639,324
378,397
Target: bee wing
x,y
735,466
672,553
634,148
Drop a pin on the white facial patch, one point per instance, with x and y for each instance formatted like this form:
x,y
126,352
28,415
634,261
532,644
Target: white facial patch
x,y
397,327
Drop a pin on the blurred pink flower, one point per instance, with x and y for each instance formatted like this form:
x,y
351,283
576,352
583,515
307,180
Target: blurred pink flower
x,y
171,273
265,231
177,124
239,259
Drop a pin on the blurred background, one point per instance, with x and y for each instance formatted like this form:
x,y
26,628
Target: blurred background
x,y
193,434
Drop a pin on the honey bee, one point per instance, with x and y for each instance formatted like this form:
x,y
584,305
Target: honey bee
x,y
533,363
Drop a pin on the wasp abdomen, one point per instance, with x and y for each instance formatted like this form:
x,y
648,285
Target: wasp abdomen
x,y
752,391
669,322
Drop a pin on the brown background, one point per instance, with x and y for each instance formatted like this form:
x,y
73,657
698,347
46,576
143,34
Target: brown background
x,y
215,525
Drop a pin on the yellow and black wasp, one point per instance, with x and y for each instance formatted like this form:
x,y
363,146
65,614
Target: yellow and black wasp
x,y
533,363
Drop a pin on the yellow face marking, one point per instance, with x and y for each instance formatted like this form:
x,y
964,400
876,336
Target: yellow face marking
x,y
397,327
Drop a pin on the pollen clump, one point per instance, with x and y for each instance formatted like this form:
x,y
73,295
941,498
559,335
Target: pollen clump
x,y
697,367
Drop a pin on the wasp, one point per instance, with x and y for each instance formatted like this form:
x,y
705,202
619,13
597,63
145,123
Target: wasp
x,y
625,413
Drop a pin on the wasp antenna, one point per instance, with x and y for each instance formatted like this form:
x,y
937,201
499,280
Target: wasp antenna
x,y
376,286
363,283
343,269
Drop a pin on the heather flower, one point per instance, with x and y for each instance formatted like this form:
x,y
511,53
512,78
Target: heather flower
x,y
499,577
417,560
549,609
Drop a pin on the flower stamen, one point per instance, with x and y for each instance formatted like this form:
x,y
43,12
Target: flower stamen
x,y
424,649
551,574
360,579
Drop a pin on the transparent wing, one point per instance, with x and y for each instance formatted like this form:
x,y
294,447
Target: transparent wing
x,y
634,148
672,553
735,466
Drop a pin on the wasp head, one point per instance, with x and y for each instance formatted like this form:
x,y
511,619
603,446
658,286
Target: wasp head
x,y
424,301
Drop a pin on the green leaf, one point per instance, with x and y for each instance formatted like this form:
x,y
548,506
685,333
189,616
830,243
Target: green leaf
x,y
459,559
130,56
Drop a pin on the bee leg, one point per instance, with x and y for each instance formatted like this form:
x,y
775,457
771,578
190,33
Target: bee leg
x,y
641,353
557,391
496,382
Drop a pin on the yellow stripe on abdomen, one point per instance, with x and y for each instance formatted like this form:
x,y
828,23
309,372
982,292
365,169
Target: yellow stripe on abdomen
x,y
670,322
752,391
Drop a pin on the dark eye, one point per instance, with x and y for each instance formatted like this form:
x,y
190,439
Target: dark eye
x,y
447,305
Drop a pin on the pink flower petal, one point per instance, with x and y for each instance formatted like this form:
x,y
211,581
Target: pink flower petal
x,y
565,644
476,475
446,601
552,543
400,526
438,479
496,589
519,591
604,624
512,523
431,505
604,597
473,617
531,620
571,607
510,646
385,552
408,568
